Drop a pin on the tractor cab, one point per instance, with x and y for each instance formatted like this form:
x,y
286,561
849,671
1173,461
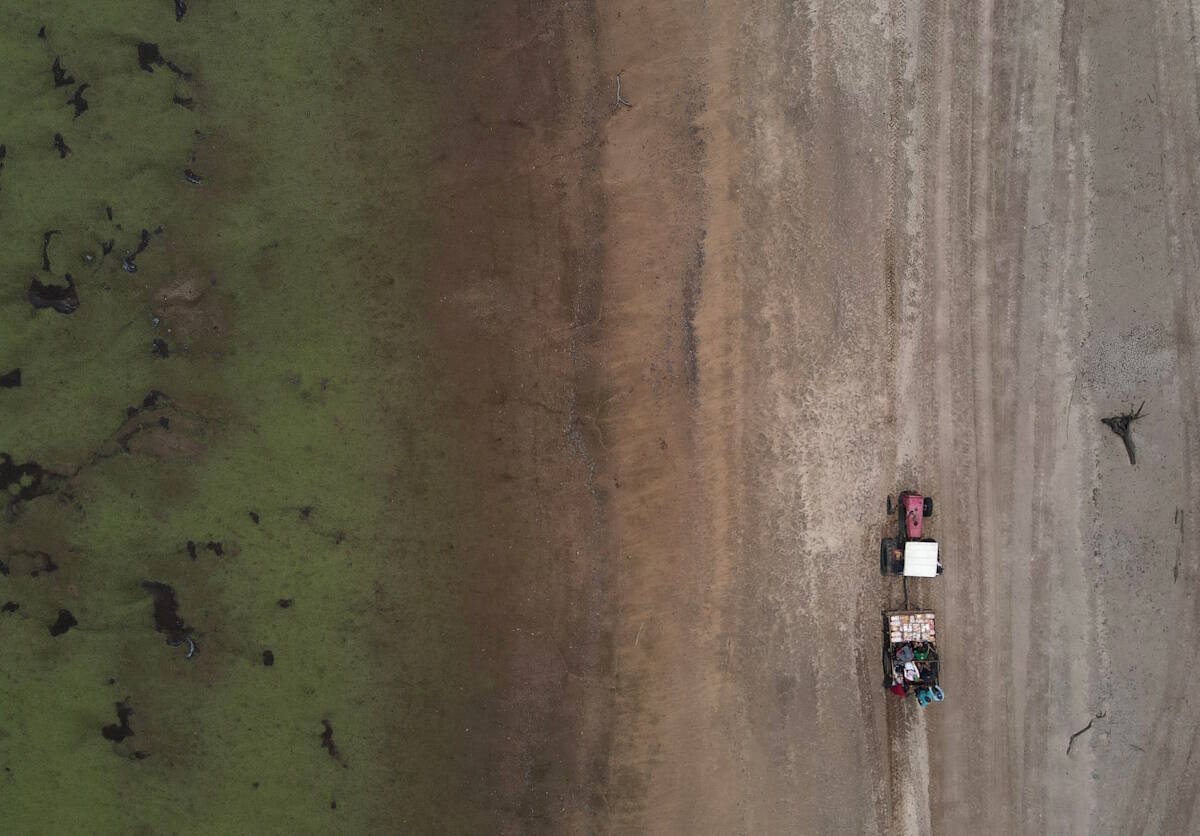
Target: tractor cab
x,y
910,553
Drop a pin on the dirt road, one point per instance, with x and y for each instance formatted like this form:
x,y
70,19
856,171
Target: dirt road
x,y
828,251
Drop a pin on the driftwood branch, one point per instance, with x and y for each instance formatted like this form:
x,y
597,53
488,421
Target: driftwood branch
x,y
620,98
1088,727
1122,425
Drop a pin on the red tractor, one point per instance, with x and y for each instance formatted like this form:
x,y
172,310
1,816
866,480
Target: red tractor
x,y
909,553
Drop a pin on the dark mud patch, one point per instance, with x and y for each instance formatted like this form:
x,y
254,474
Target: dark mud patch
x,y
10,607
62,78
32,564
118,731
46,238
254,517
60,145
159,427
149,57
285,603
166,612
63,623
180,10
11,380
328,745
215,546
23,482
129,262
154,399
268,658
159,348
62,298
78,101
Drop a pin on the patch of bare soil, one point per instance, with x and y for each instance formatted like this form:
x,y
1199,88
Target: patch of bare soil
x,y
189,307
513,310
571,288
511,294
669,401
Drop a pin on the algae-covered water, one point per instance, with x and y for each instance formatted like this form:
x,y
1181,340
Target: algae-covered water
x,y
226,609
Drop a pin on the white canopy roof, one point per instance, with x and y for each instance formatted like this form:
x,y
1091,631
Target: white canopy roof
x,y
920,559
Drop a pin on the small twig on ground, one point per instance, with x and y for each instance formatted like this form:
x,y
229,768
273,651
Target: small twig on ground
x,y
562,658
1070,398
638,637
1086,728
620,98
1178,549
575,326
1122,425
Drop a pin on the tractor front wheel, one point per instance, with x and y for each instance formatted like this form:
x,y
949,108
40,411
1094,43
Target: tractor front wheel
x,y
927,508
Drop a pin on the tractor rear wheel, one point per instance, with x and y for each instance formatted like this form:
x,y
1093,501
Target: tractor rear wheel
x,y
888,564
927,509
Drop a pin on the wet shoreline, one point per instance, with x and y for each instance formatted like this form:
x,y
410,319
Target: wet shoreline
x,y
202,181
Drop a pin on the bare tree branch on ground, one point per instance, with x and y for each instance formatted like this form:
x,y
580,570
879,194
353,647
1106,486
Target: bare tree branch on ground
x,y
1122,425
1095,717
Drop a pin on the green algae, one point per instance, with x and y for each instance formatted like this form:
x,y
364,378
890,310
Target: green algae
x,y
297,408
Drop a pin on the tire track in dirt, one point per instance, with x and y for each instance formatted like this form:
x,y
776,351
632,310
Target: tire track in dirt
x,y
964,454
920,39
961,370
1165,792
1050,654
815,305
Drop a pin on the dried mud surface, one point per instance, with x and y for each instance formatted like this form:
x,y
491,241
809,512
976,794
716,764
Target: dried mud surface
x,y
849,250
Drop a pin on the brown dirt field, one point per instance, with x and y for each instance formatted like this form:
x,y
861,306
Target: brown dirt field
x,y
515,279
686,348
